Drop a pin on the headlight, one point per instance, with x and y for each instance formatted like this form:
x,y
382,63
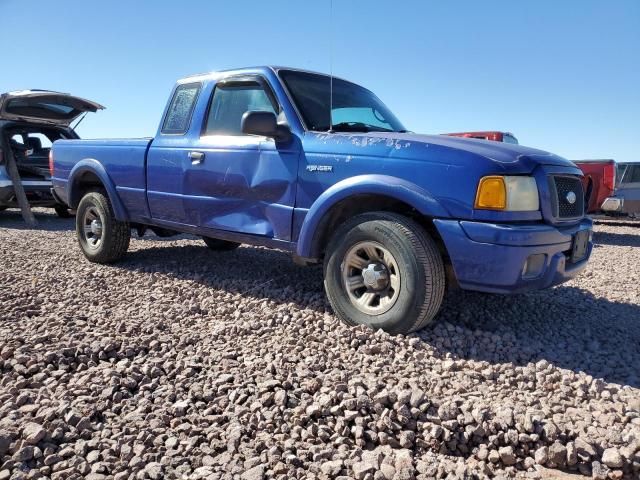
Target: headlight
x,y
510,193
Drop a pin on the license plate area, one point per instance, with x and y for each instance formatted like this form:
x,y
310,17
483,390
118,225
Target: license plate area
x,y
580,246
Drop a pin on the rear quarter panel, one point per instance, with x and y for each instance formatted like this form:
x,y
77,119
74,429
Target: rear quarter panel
x,y
123,167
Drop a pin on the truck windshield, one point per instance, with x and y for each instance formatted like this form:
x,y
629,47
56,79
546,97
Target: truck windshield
x,y
354,109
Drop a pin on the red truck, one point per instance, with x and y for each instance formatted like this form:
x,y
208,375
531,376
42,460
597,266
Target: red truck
x,y
624,198
599,175
496,136
599,182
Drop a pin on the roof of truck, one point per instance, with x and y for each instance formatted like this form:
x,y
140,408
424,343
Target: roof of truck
x,y
273,68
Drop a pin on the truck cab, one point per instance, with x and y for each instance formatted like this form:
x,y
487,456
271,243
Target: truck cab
x,y
318,166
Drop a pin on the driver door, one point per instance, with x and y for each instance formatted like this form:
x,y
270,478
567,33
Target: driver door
x,y
237,182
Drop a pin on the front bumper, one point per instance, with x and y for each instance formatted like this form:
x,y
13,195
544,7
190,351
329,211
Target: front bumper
x,y
493,257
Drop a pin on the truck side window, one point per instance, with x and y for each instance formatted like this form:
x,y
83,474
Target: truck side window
x,y
180,109
634,175
230,102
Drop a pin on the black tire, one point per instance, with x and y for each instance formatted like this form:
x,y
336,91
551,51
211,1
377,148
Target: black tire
x,y
220,245
416,261
62,211
3,208
114,235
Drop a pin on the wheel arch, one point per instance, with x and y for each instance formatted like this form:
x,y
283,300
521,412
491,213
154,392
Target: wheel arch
x,y
89,174
362,194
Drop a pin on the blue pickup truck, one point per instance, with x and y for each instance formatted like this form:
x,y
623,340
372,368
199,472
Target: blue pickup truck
x,y
320,167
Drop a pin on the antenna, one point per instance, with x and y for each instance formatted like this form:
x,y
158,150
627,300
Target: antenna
x,y
330,66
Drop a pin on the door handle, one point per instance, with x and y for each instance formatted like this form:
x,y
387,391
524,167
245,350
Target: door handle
x,y
196,157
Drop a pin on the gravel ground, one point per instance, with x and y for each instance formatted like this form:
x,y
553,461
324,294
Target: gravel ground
x,y
183,363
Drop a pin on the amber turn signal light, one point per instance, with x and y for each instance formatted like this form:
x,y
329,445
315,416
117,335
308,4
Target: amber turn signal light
x,y
492,193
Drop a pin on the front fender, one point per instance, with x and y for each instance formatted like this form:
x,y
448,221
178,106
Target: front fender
x,y
93,166
383,185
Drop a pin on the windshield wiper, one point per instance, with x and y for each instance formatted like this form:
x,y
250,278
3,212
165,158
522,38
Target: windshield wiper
x,y
356,127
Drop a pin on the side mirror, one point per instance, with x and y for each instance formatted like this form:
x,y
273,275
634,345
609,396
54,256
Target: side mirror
x,y
264,124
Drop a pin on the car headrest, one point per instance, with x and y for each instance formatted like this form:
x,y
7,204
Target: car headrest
x,y
34,143
17,145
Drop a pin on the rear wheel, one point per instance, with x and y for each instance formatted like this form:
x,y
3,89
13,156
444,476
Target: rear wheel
x,y
383,270
102,238
220,245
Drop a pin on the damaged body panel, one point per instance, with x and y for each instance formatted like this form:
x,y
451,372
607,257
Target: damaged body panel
x,y
243,184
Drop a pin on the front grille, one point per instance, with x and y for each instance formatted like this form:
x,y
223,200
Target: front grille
x,y
563,189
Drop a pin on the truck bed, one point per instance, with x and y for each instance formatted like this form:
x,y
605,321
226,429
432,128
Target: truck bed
x,y
123,159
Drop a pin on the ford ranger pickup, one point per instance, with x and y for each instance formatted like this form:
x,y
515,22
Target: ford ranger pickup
x,y
320,167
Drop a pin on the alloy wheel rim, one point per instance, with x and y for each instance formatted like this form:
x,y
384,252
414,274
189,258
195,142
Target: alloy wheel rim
x,y
371,277
92,227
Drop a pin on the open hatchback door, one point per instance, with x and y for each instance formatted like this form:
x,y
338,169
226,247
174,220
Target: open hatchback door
x,y
42,106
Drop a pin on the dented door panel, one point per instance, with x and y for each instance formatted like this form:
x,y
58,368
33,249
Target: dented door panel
x,y
243,184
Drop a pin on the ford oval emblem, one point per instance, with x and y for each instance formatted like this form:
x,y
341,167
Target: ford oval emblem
x,y
571,198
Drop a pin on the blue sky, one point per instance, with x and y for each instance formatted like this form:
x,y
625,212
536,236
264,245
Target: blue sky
x,y
562,75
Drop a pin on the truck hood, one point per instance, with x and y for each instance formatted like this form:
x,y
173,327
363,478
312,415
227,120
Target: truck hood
x,y
42,106
505,154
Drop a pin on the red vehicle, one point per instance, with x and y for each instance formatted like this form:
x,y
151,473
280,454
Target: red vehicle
x,y
599,182
488,135
599,175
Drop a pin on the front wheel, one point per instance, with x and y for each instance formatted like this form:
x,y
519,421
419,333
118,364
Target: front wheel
x,y
102,238
383,270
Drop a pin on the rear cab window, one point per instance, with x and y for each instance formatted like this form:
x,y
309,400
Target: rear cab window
x,y
627,174
633,174
180,109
